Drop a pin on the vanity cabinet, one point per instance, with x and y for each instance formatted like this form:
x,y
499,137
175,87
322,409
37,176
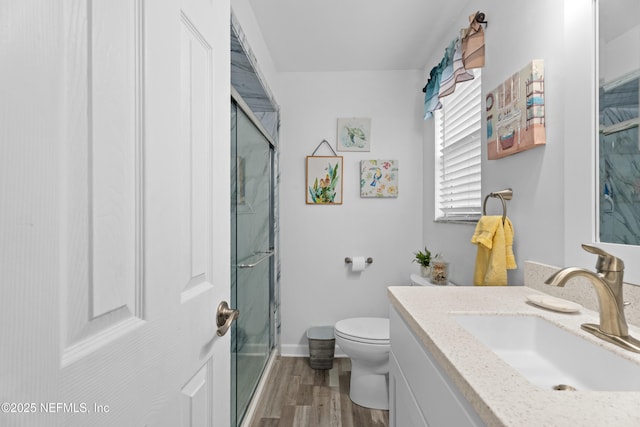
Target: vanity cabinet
x,y
420,393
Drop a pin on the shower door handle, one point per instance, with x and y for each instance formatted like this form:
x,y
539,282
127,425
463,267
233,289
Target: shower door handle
x,y
265,255
225,317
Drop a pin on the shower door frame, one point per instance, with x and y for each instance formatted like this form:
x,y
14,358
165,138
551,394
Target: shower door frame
x,y
273,259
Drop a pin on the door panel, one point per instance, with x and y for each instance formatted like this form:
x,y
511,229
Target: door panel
x,y
196,142
114,37
101,237
115,180
197,398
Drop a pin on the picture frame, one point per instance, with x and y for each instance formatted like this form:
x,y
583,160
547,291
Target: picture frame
x,y
324,180
354,134
378,179
516,112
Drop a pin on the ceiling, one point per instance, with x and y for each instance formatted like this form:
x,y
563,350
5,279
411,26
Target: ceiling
x,y
350,35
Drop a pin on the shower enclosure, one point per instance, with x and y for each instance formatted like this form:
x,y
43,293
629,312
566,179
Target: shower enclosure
x,y
252,254
619,153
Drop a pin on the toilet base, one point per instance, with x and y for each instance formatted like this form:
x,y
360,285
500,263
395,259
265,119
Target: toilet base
x,y
369,389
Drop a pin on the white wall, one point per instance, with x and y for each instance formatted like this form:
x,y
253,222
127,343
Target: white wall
x,y
552,208
317,287
517,33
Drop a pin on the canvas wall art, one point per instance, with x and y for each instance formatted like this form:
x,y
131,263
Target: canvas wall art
x,y
378,178
354,134
516,113
324,180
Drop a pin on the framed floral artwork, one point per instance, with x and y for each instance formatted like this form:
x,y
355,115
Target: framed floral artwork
x,y
378,178
324,180
354,134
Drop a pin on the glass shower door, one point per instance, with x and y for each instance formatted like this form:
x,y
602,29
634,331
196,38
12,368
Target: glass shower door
x,y
252,258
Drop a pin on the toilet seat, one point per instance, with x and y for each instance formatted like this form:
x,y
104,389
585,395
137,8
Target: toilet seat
x,y
369,330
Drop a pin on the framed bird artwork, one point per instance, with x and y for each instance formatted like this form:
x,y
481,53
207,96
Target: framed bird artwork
x,y
354,134
378,178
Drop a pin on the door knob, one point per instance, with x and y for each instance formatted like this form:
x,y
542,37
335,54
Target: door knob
x,y
224,317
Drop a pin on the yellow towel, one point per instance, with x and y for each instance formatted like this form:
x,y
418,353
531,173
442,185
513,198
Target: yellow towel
x,y
495,251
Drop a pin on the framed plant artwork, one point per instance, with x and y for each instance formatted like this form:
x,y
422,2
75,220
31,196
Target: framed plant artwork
x,y
324,180
378,178
354,134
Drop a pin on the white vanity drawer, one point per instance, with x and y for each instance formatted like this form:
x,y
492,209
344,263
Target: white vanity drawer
x,y
403,408
441,404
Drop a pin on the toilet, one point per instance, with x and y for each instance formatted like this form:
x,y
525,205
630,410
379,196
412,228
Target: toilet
x,y
417,280
366,341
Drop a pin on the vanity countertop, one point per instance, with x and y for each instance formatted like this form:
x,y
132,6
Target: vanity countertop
x,y
500,396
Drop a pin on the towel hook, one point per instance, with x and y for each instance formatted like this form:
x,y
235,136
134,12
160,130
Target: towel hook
x,y
503,195
480,18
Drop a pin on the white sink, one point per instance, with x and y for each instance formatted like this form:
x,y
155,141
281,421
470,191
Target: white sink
x,y
549,356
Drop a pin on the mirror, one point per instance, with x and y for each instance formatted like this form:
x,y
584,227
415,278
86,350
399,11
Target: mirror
x,y
618,183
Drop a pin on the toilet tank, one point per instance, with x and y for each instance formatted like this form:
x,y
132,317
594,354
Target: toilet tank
x,y
417,280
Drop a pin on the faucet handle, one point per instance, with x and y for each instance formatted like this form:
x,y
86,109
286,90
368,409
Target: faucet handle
x,y
606,261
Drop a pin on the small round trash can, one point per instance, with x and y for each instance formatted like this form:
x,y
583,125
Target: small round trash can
x,y
322,344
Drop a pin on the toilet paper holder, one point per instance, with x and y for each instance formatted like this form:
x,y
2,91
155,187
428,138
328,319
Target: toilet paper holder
x,y
348,260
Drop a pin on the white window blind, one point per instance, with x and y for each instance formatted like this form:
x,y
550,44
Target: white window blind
x,y
458,153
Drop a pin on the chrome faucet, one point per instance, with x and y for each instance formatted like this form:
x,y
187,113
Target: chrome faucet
x,y
607,282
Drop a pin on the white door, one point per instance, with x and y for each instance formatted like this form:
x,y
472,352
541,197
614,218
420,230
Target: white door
x,y
114,212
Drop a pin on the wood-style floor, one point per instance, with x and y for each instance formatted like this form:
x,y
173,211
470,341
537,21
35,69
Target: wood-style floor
x,y
298,396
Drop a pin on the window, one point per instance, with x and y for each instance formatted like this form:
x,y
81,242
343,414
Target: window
x,y
458,154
